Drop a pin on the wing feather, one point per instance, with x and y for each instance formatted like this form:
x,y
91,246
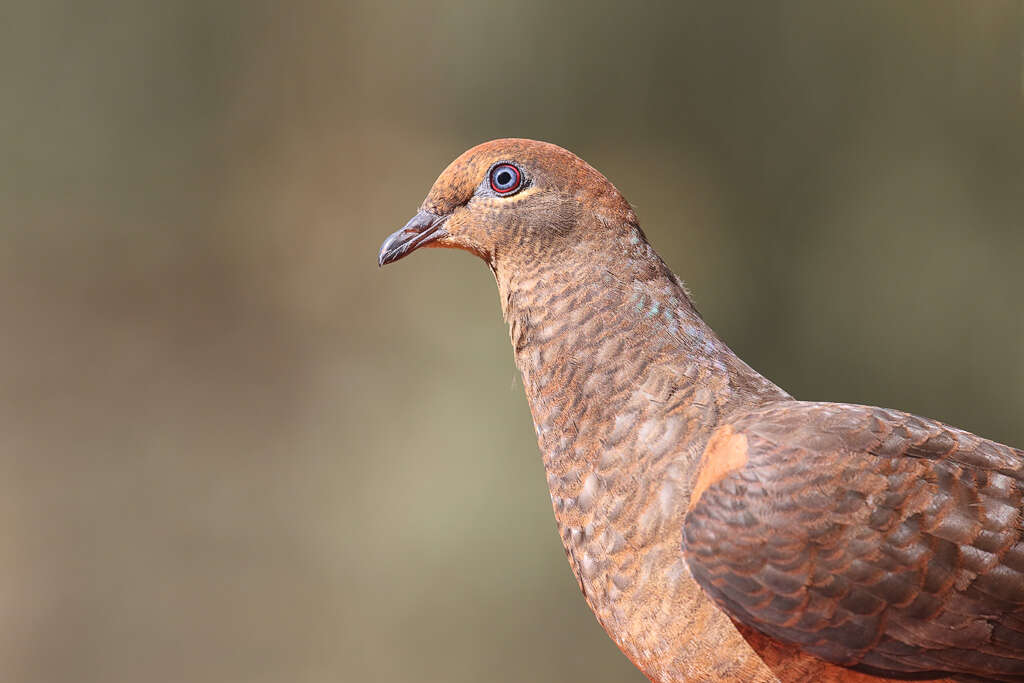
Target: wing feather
x,y
868,537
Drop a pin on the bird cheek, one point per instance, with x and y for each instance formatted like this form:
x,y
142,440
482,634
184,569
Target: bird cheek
x,y
464,232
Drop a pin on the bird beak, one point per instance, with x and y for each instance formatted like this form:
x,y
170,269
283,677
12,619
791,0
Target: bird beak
x,y
423,228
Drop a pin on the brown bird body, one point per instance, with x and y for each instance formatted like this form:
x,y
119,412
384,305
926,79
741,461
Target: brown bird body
x,y
720,529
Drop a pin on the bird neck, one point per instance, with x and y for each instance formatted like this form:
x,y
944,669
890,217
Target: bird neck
x,y
626,382
601,334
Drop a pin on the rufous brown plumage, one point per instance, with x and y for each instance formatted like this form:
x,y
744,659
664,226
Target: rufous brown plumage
x,y
720,529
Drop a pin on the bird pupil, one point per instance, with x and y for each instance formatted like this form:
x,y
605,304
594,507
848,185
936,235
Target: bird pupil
x,y
504,178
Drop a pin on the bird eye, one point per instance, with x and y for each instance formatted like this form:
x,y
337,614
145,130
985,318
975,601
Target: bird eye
x,y
505,178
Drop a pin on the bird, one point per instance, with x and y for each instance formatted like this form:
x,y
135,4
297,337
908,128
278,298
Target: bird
x,y
719,528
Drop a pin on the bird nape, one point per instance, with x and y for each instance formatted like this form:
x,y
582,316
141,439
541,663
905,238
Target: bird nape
x,y
719,528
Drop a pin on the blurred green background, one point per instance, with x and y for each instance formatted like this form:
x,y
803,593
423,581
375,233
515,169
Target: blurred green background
x,y
232,449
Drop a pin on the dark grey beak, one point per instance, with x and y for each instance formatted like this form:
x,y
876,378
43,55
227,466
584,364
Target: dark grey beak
x,y
423,228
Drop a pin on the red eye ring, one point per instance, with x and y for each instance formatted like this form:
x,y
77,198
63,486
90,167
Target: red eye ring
x,y
505,179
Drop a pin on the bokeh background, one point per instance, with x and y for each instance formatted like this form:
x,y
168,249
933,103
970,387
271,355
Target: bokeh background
x,y
232,449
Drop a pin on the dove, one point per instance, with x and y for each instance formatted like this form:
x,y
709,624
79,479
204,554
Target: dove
x,y
719,528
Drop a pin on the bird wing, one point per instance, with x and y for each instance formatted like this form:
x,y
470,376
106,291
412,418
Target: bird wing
x,y
867,537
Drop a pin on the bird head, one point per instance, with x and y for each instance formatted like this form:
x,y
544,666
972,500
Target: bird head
x,y
514,199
